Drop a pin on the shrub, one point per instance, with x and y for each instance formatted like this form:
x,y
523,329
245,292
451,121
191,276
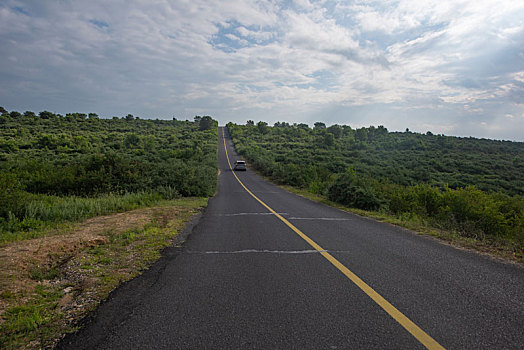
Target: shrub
x,y
356,192
12,196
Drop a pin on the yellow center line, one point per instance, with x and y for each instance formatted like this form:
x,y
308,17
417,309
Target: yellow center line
x,y
398,316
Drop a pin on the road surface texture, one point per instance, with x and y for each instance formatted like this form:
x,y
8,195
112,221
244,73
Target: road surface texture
x,y
246,279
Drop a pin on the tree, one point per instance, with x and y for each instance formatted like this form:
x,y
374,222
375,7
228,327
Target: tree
x,y
361,134
46,115
250,123
262,127
93,116
319,125
281,125
3,110
336,130
205,123
329,139
131,140
382,130
130,117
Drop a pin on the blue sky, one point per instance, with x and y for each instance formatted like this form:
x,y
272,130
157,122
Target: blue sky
x,y
451,67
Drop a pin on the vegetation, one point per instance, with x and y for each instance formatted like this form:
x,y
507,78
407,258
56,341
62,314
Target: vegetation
x,y
56,171
473,187
56,168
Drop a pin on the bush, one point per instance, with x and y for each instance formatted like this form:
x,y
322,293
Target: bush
x,y
472,211
355,192
468,210
12,196
424,200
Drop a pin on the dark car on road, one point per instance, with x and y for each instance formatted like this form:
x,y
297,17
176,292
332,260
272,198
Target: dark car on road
x,y
240,165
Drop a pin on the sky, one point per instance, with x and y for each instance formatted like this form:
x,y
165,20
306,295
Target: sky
x,y
449,67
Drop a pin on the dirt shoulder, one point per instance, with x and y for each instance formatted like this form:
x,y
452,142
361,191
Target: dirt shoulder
x,y
47,284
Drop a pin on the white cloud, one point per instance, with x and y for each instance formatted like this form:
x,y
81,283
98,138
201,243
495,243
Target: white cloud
x,y
258,36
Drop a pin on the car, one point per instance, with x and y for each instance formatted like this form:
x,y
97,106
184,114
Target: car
x,y
240,165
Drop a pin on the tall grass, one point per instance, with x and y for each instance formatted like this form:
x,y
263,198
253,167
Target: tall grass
x,y
57,209
42,210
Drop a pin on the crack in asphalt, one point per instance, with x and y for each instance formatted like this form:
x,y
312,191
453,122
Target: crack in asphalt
x,y
243,214
256,251
286,214
326,219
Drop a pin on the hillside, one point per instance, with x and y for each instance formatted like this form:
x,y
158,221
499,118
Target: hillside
x,y
470,187
403,158
59,168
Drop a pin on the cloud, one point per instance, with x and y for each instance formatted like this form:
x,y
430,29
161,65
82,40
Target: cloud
x,y
407,61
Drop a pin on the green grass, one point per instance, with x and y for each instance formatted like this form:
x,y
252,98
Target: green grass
x,y
73,208
41,273
36,317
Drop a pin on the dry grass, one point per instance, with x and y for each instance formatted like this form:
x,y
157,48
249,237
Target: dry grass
x,y
19,259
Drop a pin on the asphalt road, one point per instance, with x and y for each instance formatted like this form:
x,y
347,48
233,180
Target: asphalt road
x,y
244,279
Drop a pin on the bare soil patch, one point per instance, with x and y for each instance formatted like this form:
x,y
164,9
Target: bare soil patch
x,y
20,259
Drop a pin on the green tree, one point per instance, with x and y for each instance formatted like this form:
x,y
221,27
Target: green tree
x,y
319,126
336,130
329,140
15,114
262,127
131,140
206,123
47,115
